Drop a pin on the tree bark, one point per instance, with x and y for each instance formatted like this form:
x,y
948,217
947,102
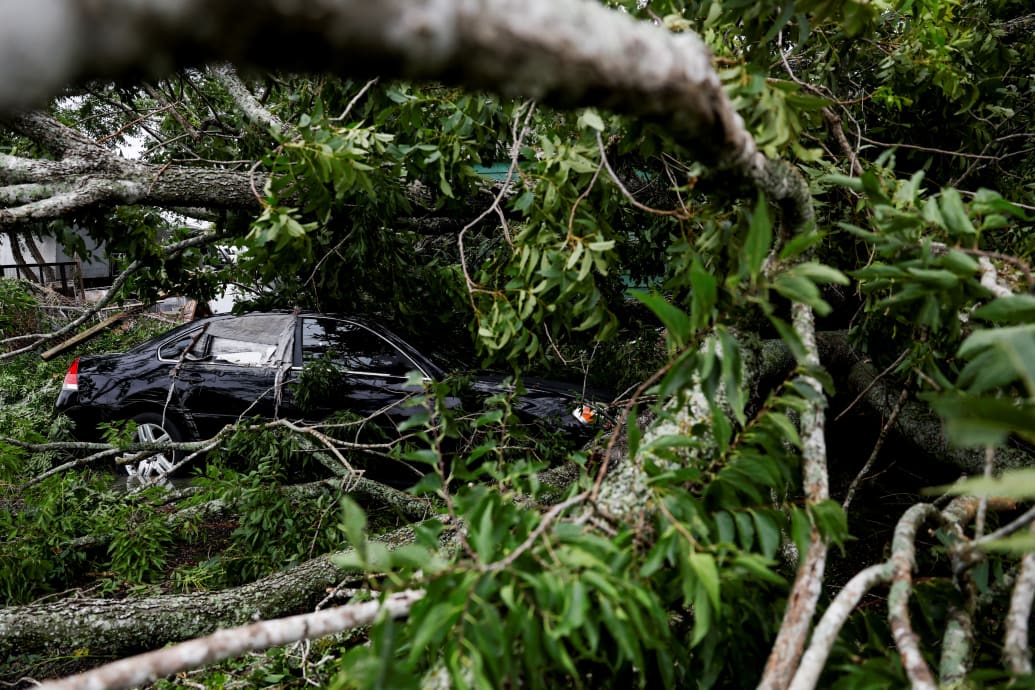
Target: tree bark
x,y
113,628
533,48
96,184
915,423
19,258
225,644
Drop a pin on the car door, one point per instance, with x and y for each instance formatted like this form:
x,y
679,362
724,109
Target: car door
x,y
371,370
230,371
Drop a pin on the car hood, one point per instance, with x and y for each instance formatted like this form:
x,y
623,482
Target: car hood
x,y
497,382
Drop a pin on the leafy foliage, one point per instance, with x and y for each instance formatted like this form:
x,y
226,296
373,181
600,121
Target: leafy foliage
x,y
16,308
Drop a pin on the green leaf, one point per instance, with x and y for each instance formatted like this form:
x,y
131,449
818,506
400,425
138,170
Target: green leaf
x,y
491,417
434,624
484,539
1014,343
704,294
852,183
790,338
935,277
768,533
801,530
972,421
798,288
656,558
831,520
726,528
745,528
616,620
578,605
798,244
988,370
591,119
821,273
632,431
757,566
954,213
1012,309
707,573
759,238
1018,483
959,263
354,520
732,371
673,318
783,424
702,619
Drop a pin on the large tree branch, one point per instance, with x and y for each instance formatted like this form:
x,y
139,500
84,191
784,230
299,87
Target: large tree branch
x,y
532,48
808,583
125,626
896,570
226,75
89,175
137,183
226,644
1016,647
57,137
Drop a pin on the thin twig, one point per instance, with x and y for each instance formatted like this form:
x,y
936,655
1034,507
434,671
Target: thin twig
x,y
140,119
1006,530
876,449
872,383
504,188
544,523
354,100
677,213
929,149
979,521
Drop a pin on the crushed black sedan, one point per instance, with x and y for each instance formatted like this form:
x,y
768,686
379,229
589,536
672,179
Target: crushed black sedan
x,y
192,381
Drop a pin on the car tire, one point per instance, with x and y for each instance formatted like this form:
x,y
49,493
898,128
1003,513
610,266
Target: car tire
x,y
153,427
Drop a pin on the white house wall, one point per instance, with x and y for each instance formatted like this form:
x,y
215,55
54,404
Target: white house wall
x,y
54,253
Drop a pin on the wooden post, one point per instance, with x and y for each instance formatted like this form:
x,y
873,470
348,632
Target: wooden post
x,y
83,337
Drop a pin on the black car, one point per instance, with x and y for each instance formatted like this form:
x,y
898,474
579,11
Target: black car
x,y
192,381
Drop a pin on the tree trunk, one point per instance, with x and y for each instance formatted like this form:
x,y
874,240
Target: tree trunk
x,y
113,628
48,271
19,258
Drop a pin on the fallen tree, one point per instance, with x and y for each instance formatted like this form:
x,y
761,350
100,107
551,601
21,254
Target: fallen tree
x,y
674,537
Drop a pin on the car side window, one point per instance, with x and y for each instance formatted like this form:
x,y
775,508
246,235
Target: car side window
x,y
251,341
352,347
240,352
173,350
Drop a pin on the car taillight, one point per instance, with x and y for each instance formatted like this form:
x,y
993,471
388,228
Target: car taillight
x,y
585,414
71,382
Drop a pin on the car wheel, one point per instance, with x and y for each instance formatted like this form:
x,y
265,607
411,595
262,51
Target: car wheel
x,y
153,428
